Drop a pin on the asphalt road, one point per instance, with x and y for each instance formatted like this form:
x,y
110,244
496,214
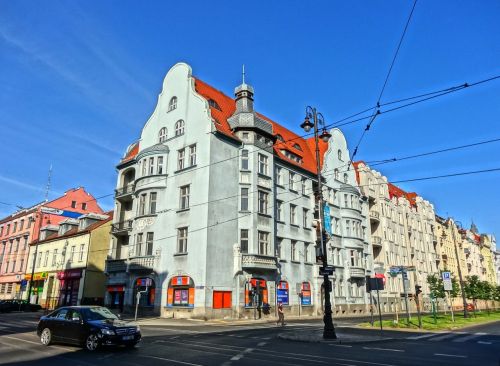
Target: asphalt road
x,y
201,344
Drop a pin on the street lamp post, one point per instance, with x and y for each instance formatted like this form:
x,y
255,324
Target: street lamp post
x,y
458,266
317,119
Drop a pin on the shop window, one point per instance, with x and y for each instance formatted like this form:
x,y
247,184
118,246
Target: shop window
x,y
256,293
283,293
146,286
180,292
305,294
222,300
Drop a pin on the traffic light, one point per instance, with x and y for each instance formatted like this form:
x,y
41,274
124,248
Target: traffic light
x,y
418,290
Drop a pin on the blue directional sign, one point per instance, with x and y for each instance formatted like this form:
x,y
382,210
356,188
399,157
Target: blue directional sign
x,y
57,212
446,276
328,220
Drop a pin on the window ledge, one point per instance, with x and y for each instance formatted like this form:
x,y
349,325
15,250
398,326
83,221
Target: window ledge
x,y
245,211
184,169
142,216
265,176
180,254
294,191
282,260
182,210
296,262
280,185
294,225
264,215
280,222
309,264
306,228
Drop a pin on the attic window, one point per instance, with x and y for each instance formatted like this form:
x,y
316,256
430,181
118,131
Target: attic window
x,y
292,156
212,103
279,137
297,146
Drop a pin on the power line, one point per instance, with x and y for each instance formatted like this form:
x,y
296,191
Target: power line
x,y
377,111
295,198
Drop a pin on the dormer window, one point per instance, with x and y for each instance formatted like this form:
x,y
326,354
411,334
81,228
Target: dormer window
x,y
280,138
297,146
179,128
212,103
162,135
172,104
339,153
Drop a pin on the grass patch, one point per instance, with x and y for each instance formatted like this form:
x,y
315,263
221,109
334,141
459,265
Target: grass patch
x,y
443,322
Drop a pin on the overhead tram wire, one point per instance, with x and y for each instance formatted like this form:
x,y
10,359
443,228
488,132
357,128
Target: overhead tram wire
x,y
377,107
299,196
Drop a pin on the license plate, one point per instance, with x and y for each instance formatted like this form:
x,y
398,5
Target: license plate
x,y
127,338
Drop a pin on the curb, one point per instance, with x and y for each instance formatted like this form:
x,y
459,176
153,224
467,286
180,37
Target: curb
x,y
318,339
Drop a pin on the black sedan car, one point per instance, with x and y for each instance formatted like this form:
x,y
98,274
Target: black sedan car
x,y
89,326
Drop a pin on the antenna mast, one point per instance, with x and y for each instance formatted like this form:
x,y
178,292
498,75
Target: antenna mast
x,y
48,184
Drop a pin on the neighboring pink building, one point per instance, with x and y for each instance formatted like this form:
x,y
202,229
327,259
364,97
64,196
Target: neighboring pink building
x,y
20,229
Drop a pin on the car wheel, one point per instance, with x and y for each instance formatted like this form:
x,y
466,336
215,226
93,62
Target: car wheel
x,y
46,337
92,342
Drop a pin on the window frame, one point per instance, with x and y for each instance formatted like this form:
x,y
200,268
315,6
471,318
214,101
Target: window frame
x,y
182,240
172,104
244,199
263,165
244,241
184,193
179,127
263,202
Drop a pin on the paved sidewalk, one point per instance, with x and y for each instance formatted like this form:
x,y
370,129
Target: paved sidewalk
x,y
343,336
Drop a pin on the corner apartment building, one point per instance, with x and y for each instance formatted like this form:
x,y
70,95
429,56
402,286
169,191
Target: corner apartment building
x,y
20,229
402,234
69,265
215,208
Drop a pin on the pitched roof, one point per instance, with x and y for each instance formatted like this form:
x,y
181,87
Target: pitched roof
x,y
395,191
131,153
227,107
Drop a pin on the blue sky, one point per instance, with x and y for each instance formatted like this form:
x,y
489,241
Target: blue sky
x,y
80,78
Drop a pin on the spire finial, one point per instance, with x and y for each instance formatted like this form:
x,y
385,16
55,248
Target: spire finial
x,y
243,73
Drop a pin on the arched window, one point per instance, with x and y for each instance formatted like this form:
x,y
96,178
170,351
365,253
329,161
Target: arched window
x,y
280,138
339,153
336,173
179,128
172,104
180,292
345,177
162,135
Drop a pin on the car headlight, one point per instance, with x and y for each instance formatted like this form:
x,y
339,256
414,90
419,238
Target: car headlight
x,y
137,329
107,331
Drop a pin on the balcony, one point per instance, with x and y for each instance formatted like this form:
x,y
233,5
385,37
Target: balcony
x,y
121,228
374,217
258,261
144,263
115,265
434,239
124,193
357,272
377,241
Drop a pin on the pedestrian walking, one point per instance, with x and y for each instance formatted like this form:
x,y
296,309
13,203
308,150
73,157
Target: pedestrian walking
x,y
281,315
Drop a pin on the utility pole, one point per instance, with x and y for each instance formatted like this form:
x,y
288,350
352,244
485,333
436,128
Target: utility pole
x,y
328,330
458,264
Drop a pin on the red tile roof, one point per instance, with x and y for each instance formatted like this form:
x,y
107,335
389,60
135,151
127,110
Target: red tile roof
x,y
395,191
131,153
227,108
356,164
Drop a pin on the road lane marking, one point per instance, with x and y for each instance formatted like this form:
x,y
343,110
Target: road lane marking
x,y
422,336
446,336
446,355
170,360
241,354
293,356
261,344
469,337
483,342
385,349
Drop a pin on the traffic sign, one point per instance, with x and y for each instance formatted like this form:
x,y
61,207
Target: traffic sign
x,y
448,286
446,276
328,270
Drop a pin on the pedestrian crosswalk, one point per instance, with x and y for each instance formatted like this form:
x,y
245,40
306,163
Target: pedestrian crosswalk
x,y
457,337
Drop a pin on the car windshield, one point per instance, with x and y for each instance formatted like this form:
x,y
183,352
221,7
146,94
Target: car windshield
x,y
100,313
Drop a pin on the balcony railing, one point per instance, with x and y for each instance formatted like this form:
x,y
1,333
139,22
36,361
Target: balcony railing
x,y
144,263
357,272
116,265
376,241
127,189
258,261
122,227
374,216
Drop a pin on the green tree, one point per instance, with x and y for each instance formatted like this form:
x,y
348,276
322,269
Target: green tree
x,y
436,286
486,293
496,293
473,289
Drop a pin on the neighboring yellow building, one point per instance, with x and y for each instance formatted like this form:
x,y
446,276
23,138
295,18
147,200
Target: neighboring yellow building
x,y
448,235
486,257
70,259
